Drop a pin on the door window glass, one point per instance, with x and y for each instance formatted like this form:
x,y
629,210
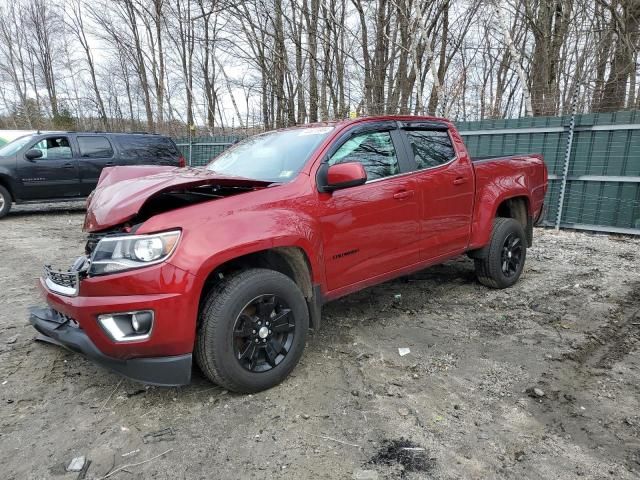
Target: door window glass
x,y
373,150
95,147
430,147
147,146
54,148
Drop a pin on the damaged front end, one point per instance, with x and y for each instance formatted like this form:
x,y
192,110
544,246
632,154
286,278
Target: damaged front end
x,y
119,302
122,198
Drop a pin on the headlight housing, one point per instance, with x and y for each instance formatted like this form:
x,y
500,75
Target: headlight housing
x,y
119,253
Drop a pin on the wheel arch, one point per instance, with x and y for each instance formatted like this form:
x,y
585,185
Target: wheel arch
x,y
291,261
7,183
516,207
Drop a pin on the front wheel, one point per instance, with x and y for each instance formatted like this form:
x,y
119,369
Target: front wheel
x,y
504,261
5,201
252,331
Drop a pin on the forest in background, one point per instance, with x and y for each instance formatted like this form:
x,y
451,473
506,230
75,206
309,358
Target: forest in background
x,y
221,66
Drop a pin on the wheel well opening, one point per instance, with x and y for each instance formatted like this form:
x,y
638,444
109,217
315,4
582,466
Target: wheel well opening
x,y
518,209
5,183
290,261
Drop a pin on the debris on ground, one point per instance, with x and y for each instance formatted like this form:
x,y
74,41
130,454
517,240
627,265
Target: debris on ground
x,y
12,339
76,464
411,456
535,392
404,351
361,474
166,434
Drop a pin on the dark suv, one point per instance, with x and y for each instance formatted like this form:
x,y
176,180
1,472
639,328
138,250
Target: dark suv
x,y
58,166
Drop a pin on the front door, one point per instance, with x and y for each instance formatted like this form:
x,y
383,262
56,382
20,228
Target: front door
x,y
371,229
54,174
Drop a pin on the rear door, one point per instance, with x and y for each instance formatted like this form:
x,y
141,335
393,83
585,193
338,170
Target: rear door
x,y
53,175
95,152
372,229
445,186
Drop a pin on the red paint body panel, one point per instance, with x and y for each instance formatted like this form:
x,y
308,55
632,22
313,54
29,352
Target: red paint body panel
x,y
164,288
353,238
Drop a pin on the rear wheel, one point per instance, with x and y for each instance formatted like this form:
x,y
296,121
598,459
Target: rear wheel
x,y
5,201
504,262
252,331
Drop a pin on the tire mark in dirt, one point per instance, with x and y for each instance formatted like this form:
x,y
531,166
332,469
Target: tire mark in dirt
x,y
614,340
581,402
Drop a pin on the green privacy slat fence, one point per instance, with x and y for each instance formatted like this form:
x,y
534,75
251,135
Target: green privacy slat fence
x,y
602,189
602,185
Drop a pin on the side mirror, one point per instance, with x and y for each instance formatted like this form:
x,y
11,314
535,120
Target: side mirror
x,y
33,154
344,175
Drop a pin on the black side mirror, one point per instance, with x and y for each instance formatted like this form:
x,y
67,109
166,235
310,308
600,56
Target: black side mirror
x,y
33,154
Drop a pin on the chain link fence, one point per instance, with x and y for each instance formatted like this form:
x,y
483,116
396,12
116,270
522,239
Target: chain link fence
x,y
199,150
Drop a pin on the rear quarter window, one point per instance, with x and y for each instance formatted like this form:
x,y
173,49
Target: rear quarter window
x,y
147,147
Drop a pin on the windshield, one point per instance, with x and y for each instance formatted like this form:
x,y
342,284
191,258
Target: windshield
x,y
270,157
12,148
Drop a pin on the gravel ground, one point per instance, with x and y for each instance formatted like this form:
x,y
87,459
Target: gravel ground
x,y
536,381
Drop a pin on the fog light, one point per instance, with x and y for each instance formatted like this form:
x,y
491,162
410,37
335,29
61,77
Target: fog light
x,y
128,326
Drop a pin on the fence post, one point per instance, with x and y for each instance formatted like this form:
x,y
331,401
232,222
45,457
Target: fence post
x,y
190,146
567,156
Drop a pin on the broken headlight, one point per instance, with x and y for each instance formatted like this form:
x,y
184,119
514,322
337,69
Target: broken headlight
x,y
116,254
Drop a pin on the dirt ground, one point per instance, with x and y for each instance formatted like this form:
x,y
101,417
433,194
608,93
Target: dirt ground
x,y
460,405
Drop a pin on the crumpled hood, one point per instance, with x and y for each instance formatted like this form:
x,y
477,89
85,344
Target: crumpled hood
x,y
122,191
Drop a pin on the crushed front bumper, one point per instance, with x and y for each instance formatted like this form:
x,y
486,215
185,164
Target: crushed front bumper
x,y
61,330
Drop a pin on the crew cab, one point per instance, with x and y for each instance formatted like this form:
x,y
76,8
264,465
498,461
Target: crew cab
x,y
230,264
63,166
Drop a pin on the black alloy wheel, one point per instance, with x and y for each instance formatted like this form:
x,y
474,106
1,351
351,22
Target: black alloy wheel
x,y
511,255
263,333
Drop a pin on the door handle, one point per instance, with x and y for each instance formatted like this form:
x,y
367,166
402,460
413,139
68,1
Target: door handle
x,y
403,194
109,164
460,181
68,165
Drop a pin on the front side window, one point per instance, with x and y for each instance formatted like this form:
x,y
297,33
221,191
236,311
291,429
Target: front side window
x,y
431,147
95,147
374,150
54,148
13,147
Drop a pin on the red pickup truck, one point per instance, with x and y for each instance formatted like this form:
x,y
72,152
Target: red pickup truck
x,y
231,263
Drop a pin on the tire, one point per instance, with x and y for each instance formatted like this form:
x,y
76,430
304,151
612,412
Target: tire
x,y
508,241
5,201
228,329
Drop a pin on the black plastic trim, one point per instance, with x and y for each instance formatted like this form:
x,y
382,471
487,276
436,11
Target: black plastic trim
x,y
424,125
163,371
315,307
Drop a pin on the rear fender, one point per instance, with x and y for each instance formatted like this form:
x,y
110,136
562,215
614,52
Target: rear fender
x,y
486,211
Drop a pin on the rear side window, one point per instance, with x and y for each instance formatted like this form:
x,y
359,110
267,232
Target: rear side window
x,y
142,146
95,147
373,150
431,147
